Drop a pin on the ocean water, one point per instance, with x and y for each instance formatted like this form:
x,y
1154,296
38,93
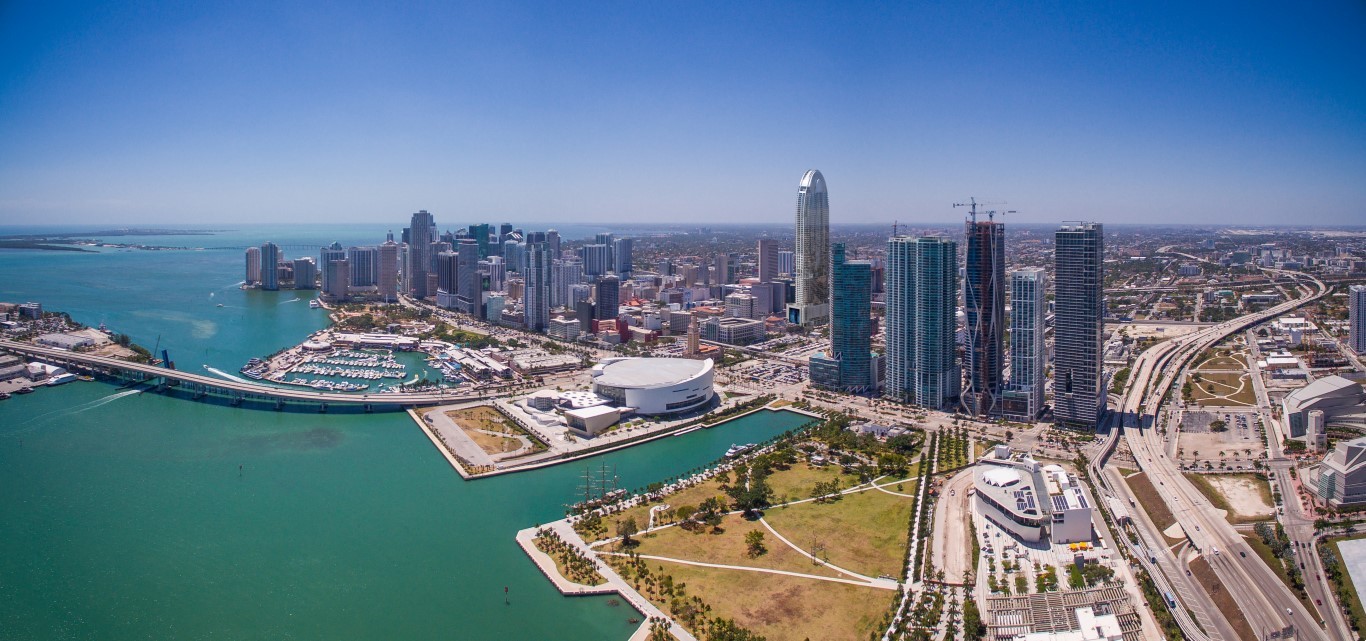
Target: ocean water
x,y
136,516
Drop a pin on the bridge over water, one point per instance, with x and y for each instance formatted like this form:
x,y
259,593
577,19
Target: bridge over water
x,y
232,392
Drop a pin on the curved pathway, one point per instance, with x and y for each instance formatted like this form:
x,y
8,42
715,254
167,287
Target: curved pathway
x,y
882,583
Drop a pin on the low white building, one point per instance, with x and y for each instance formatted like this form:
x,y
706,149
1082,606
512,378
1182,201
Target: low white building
x,y
1033,502
592,421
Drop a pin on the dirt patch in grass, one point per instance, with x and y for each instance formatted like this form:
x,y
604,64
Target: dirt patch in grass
x,y
1146,495
863,532
1223,600
784,607
1244,498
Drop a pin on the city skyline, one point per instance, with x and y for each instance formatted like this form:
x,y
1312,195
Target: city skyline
x,y
1087,112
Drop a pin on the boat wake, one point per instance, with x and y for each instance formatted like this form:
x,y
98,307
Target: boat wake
x,y
292,300
226,375
39,420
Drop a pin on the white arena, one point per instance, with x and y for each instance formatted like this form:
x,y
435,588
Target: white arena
x,y
655,385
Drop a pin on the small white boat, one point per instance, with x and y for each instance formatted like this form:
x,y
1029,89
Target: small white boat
x,y
313,303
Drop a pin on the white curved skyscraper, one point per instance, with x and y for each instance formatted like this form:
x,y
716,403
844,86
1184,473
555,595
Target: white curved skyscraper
x,y
813,251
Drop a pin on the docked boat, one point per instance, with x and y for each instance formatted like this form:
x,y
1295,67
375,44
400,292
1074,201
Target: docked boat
x,y
736,450
24,390
60,379
313,303
255,369
4,396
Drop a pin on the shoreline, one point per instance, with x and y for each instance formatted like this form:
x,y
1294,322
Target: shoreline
x,y
468,475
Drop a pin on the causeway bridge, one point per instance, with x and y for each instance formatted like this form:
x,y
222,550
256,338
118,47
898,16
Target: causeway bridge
x,y
232,392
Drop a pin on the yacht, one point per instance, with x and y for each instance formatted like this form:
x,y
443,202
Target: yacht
x,y
313,303
4,396
736,450
24,390
60,379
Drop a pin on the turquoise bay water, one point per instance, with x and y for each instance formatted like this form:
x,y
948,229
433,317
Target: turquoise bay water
x,y
125,516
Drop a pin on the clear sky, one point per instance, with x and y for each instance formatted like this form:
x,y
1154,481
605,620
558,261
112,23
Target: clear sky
x,y
222,112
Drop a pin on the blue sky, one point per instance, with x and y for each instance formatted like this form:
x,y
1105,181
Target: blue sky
x,y
240,112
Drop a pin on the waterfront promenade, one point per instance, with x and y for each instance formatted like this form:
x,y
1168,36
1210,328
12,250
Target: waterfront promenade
x,y
237,390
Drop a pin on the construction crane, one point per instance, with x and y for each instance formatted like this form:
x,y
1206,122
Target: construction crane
x,y
972,206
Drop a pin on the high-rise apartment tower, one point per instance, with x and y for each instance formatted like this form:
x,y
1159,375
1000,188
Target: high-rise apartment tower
x,y
922,301
1079,394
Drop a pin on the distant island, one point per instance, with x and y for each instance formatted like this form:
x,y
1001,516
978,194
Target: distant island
x,y
71,241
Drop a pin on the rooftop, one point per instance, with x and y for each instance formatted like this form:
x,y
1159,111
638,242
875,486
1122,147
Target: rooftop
x,y
647,372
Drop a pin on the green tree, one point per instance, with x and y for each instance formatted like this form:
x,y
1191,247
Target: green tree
x,y
626,528
754,542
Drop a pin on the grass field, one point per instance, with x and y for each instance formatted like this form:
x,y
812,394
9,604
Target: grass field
x,y
728,548
796,482
1203,573
1223,361
1146,495
864,532
783,607
1223,389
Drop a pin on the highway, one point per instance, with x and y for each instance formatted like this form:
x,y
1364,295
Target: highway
x,y
241,389
1263,598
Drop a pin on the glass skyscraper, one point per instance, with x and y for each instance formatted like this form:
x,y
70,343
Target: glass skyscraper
x,y
922,301
1023,398
849,363
984,303
421,235
813,251
1079,394
270,266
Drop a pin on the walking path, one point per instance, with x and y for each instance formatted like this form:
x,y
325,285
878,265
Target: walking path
x,y
869,583
867,580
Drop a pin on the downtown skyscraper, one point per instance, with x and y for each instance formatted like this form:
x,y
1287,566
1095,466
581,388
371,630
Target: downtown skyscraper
x,y
1356,318
1023,398
536,290
984,303
849,365
767,268
812,301
388,270
922,302
421,235
270,266
1079,394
